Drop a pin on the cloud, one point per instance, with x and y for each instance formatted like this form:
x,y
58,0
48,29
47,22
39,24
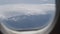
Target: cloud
x,y
25,9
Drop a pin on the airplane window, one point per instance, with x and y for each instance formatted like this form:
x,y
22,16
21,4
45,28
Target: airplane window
x,y
27,14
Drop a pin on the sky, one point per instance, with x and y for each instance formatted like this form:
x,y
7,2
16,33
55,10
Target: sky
x,y
9,8
27,1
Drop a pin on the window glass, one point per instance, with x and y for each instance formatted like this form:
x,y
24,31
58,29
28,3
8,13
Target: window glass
x,y
26,14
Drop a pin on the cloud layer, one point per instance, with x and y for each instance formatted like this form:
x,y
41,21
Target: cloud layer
x,y
25,9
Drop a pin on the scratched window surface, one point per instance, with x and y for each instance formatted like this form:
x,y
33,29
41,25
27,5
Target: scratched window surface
x,y
26,14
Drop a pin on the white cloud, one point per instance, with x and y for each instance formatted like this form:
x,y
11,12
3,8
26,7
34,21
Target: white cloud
x,y
25,9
